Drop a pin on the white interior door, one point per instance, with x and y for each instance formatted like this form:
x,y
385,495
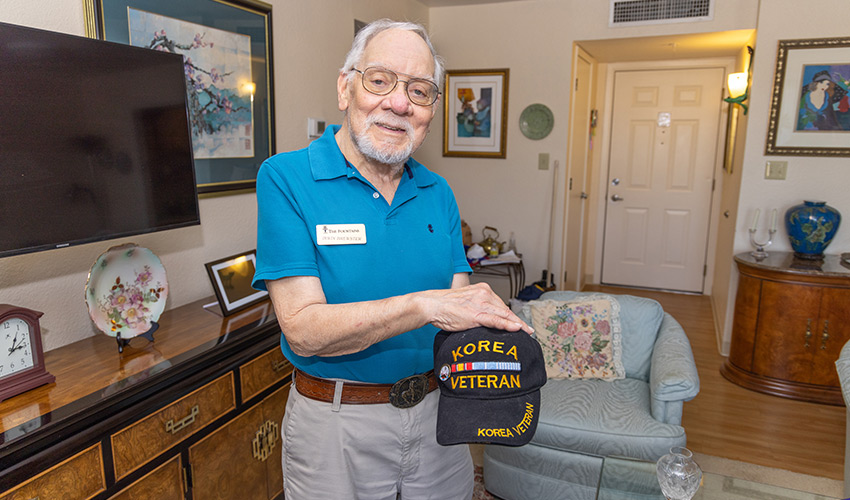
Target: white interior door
x,y
579,160
663,150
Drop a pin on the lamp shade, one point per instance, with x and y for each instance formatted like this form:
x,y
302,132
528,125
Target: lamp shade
x,y
737,84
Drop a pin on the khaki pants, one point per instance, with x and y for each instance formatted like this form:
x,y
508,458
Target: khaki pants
x,y
370,452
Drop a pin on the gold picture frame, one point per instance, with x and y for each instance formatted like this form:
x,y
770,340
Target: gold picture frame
x,y
475,105
802,125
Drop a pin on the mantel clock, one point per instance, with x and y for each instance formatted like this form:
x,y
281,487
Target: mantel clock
x,y
21,354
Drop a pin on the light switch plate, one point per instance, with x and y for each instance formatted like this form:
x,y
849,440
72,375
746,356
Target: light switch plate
x,y
543,161
776,170
315,128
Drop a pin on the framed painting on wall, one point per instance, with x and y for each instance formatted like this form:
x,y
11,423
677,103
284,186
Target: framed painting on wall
x,y
810,107
226,48
475,105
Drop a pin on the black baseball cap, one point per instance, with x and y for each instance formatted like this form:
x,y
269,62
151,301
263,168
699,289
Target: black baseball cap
x,y
489,386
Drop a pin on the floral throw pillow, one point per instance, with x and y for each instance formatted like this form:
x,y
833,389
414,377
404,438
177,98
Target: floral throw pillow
x,y
579,339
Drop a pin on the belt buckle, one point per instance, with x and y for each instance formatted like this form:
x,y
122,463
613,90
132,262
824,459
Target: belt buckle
x,y
409,392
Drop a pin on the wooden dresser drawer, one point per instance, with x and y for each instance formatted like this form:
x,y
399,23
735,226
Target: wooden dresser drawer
x,y
163,483
78,478
242,459
133,446
260,373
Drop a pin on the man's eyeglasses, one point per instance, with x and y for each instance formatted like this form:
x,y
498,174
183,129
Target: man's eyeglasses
x,y
381,81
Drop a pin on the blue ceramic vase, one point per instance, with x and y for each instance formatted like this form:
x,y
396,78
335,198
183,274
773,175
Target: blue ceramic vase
x,y
811,227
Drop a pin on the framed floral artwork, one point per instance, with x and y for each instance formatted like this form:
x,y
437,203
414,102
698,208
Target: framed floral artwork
x,y
226,48
810,107
475,104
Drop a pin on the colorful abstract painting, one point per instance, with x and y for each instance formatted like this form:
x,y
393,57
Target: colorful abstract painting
x,y
219,86
824,103
475,113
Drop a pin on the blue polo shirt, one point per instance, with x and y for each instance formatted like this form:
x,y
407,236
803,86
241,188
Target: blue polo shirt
x,y
412,245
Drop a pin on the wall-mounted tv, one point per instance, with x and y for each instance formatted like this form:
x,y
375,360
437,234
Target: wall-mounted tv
x,y
94,141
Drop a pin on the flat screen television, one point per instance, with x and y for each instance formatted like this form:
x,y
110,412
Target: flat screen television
x,y
94,141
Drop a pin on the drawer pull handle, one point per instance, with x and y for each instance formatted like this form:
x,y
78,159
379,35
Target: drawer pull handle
x,y
825,335
265,440
186,421
808,332
279,366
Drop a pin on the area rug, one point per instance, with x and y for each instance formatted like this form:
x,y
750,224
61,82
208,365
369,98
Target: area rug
x,y
479,493
830,488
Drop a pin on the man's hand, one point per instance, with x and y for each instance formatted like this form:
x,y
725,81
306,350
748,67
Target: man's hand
x,y
466,307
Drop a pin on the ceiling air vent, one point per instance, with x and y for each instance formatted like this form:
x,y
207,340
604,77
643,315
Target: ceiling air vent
x,y
642,12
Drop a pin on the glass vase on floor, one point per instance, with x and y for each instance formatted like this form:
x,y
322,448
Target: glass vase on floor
x,y
678,475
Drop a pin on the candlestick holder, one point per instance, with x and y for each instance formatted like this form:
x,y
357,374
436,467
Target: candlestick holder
x,y
759,252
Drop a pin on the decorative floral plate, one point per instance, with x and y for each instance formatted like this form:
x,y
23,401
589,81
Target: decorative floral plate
x,y
126,291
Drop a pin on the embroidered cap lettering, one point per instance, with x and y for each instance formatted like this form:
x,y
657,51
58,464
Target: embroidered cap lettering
x,y
489,386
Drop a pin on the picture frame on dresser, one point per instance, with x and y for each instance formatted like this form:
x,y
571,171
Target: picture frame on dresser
x,y
227,51
231,280
810,106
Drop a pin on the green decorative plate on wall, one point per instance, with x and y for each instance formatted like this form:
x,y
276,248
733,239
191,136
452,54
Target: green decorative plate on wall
x,y
536,121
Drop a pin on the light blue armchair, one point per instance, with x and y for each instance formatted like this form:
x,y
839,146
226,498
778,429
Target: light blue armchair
x,y
843,367
582,421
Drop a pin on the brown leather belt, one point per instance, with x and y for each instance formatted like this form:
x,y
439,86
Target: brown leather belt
x,y
405,393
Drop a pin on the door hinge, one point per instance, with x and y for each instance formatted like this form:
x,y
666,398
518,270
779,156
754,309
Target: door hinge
x,y
713,183
705,270
576,84
565,276
571,184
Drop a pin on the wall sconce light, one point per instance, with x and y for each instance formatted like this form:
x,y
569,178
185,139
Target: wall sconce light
x,y
738,84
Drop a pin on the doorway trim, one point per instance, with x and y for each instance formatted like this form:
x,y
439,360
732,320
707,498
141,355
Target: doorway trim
x,y
600,173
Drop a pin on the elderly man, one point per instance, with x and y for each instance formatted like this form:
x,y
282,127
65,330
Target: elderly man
x,y
360,248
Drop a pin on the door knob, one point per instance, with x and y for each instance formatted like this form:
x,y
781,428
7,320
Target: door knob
x,y
615,182
583,195
616,197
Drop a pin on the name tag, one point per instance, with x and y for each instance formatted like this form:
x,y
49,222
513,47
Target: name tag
x,y
341,234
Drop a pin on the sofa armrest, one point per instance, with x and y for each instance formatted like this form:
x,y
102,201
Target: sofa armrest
x,y
842,365
673,377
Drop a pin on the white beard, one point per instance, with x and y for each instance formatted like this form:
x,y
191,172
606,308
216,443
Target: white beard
x,y
386,154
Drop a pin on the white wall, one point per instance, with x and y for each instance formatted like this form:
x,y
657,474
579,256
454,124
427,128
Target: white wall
x,y
809,178
729,182
310,41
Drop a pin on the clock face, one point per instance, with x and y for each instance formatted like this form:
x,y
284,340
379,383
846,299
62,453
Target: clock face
x,y
16,350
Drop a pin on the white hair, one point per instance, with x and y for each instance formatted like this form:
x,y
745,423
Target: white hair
x,y
365,35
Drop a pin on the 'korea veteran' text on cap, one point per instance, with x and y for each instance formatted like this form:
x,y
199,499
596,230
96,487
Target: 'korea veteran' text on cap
x,y
489,386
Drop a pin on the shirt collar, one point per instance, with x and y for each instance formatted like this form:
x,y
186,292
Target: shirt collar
x,y
327,161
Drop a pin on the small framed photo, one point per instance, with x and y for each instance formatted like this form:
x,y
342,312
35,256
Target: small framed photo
x,y
810,108
475,113
231,280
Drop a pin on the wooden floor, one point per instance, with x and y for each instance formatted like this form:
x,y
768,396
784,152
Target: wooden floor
x,y
729,421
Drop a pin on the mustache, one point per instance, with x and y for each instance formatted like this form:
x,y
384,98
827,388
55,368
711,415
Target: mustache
x,y
389,120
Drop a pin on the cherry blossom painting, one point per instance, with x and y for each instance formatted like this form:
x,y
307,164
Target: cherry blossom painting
x,y
219,86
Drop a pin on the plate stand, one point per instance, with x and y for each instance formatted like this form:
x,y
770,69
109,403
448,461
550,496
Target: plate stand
x,y
148,335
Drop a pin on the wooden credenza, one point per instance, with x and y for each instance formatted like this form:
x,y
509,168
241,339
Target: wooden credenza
x,y
792,317
194,415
